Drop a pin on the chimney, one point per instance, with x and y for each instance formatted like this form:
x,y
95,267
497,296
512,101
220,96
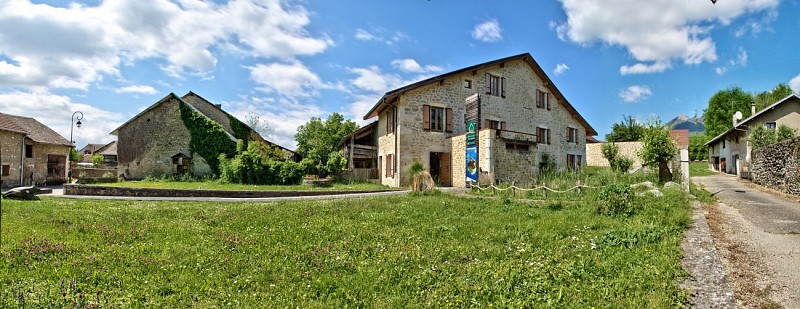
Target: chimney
x,y
752,108
220,105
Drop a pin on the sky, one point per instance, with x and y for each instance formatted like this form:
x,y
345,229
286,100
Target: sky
x,y
288,61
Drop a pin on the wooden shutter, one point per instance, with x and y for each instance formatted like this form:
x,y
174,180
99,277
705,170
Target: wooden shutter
x,y
503,125
538,98
448,115
548,136
488,123
488,83
547,100
576,135
6,170
579,160
426,117
503,87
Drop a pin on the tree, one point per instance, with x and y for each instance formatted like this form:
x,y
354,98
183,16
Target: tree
x,y
697,147
97,160
718,116
658,148
317,139
256,123
760,136
767,98
627,130
785,132
74,156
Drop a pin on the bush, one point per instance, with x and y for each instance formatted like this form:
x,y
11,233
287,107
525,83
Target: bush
x,y
616,200
256,166
415,168
546,164
618,163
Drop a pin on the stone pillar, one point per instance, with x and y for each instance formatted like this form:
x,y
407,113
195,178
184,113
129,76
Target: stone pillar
x,y
685,169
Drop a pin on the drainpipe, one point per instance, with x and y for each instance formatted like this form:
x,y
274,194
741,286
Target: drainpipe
x,y
22,160
396,158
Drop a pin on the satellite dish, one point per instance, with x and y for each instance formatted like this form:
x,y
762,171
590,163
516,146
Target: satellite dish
x,y
737,116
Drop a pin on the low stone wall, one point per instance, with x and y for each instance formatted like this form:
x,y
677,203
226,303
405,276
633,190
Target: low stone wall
x,y
594,153
778,166
92,172
150,192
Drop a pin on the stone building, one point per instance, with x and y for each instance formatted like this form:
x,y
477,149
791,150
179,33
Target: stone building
x,y
730,152
31,153
519,119
157,141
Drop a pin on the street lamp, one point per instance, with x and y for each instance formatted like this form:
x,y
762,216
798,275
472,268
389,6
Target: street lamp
x,y
79,117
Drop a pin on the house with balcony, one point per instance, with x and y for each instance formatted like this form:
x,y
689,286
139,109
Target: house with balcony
x,y
730,152
498,121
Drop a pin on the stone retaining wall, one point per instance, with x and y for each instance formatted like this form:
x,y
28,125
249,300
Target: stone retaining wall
x,y
778,166
151,192
594,153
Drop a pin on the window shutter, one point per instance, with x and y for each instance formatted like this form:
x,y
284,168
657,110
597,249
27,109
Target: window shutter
x,y
548,136
538,98
488,83
503,125
547,99
569,134
503,87
448,113
488,123
426,117
576,136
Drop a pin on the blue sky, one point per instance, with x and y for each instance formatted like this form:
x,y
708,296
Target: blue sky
x,y
288,61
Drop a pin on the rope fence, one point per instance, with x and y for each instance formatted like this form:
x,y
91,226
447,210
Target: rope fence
x,y
579,187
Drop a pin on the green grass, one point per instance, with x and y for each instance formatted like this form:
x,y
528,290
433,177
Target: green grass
x,y
394,251
700,169
216,185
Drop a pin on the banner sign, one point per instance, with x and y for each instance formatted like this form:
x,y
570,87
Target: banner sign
x,y
472,164
472,131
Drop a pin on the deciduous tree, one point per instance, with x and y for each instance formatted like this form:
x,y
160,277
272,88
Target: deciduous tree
x,y
718,116
317,139
658,148
627,130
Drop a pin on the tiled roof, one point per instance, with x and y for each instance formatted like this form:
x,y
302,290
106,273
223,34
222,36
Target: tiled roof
x,y
35,130
789,98
681,137
8,124
91,148
109,149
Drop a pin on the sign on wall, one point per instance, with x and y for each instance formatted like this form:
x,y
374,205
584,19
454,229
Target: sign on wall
x,y
473,119
472,130
472,163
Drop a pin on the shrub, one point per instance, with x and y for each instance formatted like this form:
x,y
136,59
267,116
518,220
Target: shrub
x,y
257,166
546,164
610,152
415,168
616,200
622,164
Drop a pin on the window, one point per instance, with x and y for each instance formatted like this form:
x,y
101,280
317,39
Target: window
x,y
468,83
389,165
495,85
496,125
543,136
542,99
6,170
29,151
770,125
574,161
390,118
572,135
438,119
723,144
520,147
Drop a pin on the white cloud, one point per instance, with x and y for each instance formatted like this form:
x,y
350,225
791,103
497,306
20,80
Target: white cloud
x,y
137,89
561,68
374,80
380,35
742,57
654,31
720,70
635,93
282,116
56,111
740,60
795,84
488,31
411,66
289,79
642,68
76,46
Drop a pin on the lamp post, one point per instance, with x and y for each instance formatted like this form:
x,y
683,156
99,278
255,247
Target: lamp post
x,y
79,117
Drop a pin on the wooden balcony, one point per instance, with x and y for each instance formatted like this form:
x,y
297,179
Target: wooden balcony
x,y
361,152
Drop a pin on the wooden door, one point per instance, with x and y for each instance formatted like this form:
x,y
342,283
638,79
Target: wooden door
x,y
444,170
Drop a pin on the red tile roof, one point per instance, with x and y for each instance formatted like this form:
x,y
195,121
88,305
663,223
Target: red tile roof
x,y
681,137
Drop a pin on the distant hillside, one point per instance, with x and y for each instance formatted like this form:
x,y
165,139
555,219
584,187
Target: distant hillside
x,y
693,124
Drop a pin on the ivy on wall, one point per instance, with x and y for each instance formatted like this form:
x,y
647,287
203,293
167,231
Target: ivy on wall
x,y
208,138
240,131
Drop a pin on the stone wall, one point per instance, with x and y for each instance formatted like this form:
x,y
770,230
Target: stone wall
x,y
778,166
594,153
91,172
10,153
39,161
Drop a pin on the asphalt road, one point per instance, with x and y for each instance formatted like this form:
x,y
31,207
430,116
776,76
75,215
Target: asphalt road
x,y
771,213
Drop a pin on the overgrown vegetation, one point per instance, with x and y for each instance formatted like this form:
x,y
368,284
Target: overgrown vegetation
x,y
658,148
317,142
617,200
760,136
697,147
97,160
617,162
430,250
208,138
546,164
259,164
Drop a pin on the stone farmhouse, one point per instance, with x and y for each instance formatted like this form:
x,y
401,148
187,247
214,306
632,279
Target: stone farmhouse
x,y
730,152
517,117
157,141
31,153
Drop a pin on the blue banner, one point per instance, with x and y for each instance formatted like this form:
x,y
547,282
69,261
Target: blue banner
x,y
472,163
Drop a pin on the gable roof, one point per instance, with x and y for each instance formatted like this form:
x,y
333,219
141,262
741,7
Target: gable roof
x,y
34,130
791,97
390,96
91,147
109,149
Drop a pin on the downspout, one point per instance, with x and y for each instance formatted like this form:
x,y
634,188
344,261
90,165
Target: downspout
x,y
396,146
22,159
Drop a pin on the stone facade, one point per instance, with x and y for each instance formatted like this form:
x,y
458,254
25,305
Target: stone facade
x,y
12,149
517,109
594,153
778,166
47,164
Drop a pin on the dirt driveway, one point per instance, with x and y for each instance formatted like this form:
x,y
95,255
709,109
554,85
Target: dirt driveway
x,y
758,237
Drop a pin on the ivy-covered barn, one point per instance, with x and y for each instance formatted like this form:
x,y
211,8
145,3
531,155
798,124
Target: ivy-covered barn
x,y
180,135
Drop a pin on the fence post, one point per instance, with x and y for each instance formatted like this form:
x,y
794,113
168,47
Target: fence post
x,y
492,190
513,189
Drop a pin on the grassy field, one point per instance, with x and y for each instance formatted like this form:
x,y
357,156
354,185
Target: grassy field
x,y
216,185
700,169
396,251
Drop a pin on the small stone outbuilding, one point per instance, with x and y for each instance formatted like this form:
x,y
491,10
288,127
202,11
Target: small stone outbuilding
x,y
31,152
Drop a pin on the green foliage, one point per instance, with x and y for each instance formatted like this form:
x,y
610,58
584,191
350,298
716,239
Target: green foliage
x,y
627,130
415,168
259,165
546,165
767,98
700,169
74,156
718,116
622,164
240,130
785,132
610,152
616,200
317,139
702,194
187,182
658,148
208,138
618,163
697,147
336,163
760,136
97,160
